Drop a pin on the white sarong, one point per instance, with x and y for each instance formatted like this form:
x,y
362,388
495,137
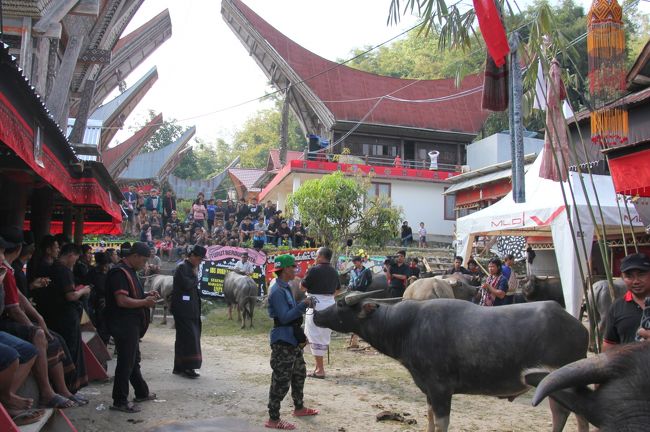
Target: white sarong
x,y
318,337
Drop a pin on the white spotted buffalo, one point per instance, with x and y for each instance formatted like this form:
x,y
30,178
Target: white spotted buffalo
x,y
427,289
164,284
455,347
620,403
241,291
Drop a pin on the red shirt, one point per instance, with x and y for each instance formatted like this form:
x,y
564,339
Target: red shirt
x,y
10,287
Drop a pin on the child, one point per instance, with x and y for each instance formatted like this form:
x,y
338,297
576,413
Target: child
x,y
422,232
166,247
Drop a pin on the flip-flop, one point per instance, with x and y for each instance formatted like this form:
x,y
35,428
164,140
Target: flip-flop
x,y
305,412
80,400
128,407
149,397
281,424
60,402
314,375
28,417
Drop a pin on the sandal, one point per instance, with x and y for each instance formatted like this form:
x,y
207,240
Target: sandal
x,y
149,397
79,400
128,407
280,424
305,412
60,402
28,417
314,375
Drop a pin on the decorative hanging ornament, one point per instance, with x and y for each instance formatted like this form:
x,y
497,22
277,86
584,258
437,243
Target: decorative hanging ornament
x,y
606,51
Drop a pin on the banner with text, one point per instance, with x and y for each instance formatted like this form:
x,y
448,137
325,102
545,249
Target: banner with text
x,y
220,260
305,258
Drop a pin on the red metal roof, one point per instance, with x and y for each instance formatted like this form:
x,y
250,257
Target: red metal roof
x,y
462,114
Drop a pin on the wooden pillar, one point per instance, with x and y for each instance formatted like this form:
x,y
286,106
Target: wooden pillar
x,y
14,204
39,65
58,97
42,205
77,135
79,226
67,220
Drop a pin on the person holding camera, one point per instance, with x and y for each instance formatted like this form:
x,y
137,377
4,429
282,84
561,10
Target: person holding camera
x,y
287,343
397,273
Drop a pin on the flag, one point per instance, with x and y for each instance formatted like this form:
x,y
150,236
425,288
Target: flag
x,y
556,134
492,30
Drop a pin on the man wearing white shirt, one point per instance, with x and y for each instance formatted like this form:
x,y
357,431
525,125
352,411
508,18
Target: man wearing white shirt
x,y
244,266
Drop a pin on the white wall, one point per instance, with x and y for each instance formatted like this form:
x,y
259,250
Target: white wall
x,y
423,202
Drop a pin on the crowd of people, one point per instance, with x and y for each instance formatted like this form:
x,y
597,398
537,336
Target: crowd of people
x,y
155,220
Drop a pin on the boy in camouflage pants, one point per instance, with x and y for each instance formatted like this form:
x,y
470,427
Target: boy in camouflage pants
x,y
287,341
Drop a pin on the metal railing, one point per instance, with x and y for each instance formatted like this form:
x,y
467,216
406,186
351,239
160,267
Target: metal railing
x,y
379,161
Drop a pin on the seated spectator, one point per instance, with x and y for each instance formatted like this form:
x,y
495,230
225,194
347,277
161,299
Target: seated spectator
x,y
63,309
284,234
272,232
26,254
246,229
155,221
181,247
97,303
230,223
20,319
153,263
145,233
166,248
218,229
17,358
298,235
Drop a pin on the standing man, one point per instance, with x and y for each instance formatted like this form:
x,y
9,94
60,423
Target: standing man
x,y
624,316
168,206
131,199
458,266
287,341
127,318
244,266
360,280
406,234
397,273
186,308
322,283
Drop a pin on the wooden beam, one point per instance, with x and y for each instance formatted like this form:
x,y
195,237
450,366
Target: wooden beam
x,y
54,14
26,47
86,7
96,56
79,226
58,97
79,128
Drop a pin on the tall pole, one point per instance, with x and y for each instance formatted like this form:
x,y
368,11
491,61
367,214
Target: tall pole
x,y
516,123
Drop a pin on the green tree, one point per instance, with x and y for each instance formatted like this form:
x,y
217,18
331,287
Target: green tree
x,y
336,209
261,133
166,134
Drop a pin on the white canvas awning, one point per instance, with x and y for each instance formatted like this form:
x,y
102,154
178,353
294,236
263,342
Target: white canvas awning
x,y
544,214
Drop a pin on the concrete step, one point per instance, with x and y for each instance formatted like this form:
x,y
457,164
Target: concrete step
x,y
39,425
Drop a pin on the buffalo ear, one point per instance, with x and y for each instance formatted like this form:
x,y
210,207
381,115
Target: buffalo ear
x,y
367,309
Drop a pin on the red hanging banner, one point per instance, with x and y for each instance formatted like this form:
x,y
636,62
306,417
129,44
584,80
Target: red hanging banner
x,y
492,30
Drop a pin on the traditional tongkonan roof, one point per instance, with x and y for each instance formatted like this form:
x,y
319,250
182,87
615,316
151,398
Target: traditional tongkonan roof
x,y
189,189
273,164
244,180
117,158
318,85
154,165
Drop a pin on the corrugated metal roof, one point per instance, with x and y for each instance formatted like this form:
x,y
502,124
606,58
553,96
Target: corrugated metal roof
x,y
246,176
148,165
486,178
92,134
105,111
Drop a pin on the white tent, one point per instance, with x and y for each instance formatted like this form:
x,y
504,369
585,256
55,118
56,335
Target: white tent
x,y
544,214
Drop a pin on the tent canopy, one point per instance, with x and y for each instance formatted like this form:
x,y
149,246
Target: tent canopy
x,y
544,214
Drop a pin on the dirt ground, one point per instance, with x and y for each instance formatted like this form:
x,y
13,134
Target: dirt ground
x,y
236,376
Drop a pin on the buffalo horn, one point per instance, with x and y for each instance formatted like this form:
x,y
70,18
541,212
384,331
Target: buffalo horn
x,y
355,297
577,374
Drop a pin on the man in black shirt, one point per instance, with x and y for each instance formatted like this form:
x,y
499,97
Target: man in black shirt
x,y
458,266
397,273
624,316
322,283
127,319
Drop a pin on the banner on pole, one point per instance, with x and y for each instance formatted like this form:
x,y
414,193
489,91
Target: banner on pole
x,y
305,258
219,261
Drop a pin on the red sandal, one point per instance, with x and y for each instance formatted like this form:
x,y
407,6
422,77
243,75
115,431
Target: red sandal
x,y
305,412
279,424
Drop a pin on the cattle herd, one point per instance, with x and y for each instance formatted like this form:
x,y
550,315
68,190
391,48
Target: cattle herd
x,y
452,346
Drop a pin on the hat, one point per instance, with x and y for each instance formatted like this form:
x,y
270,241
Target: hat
x,y
199,251
12,234
284,261
356,258
245,254
139,248
637,261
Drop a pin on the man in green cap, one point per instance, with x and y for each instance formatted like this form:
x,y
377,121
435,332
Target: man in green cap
x,y
287,342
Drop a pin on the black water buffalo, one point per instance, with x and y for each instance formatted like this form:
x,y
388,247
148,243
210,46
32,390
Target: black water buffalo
x,y
241,291
456,347
543,288
622,400
463,290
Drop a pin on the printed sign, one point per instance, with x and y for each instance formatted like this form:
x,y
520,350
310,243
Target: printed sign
x,y
305,258
219,260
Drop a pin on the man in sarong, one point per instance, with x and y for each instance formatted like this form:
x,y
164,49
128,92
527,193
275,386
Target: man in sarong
x,y
322,283
186,308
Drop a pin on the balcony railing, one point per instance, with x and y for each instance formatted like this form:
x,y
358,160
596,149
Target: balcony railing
x,y
380,161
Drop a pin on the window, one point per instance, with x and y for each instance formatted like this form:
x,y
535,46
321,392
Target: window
x,y
379,189
450,207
